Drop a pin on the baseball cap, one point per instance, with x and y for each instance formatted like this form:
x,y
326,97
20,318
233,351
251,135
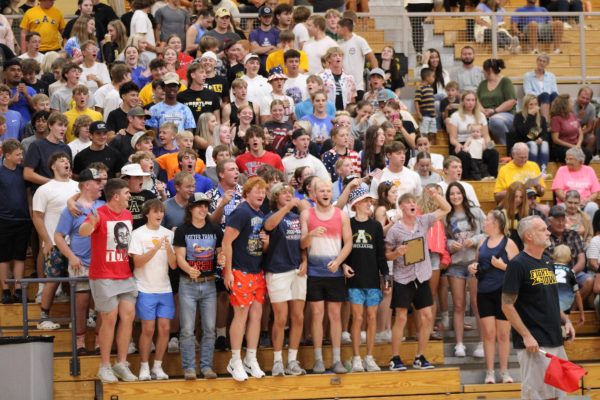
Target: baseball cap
x,y
222,12
133,170
137,112
209,54
249,57
358,194
377,71
384,95
170,78
199,197
98,126
265,11
139,135
557,211
89,174
531,193
276,73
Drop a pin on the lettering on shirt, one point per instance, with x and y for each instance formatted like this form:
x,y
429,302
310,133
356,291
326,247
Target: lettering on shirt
x,y
362,240
200,251
255,245
292,229
117,240
542,276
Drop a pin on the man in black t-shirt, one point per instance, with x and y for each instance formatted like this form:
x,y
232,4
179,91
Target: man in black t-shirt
x,y
117,118
213,81
530,303
197,97
136,119
98,152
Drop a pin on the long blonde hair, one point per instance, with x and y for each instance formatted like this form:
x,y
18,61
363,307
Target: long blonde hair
x,y
477,111
426,203
121,40
524,110
80,30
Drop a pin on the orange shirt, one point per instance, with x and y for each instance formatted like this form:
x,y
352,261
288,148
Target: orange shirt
x,y
169,163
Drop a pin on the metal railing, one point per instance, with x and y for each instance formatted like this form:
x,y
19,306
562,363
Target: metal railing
x,y
74,366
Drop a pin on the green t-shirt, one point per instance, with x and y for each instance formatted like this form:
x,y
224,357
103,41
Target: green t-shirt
x,y
492,99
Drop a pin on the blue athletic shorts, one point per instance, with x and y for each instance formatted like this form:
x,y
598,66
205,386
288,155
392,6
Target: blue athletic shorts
x,y
365,297
150,306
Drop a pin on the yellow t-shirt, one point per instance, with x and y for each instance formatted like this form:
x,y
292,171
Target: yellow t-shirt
x,y
276,59
72,115
510,173
146,93
48,23
169,163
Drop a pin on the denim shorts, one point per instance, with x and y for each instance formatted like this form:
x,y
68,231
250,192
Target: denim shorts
x,y
150,306
460,271
365,297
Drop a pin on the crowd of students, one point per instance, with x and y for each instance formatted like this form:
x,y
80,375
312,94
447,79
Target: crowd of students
x,y
189,172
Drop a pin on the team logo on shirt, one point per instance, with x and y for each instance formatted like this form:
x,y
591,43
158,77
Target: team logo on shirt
x,y
362,240
117,240
542,276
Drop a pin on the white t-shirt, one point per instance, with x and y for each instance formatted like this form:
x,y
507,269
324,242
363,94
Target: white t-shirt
x,y
355,50
107,98
476,148
470,192
77,145
154,276
140,23
462,125
39,57
265,105
406,180
290,163
258,89
437,161
301,35
296,88
51,199
98,69
315,49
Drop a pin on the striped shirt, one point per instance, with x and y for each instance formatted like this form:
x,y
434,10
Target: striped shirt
x,y
424,97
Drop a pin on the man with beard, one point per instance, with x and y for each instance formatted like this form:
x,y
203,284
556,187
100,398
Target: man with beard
x,y
327,238
468,75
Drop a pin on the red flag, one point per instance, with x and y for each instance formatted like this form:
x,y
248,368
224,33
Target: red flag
x,y
563,374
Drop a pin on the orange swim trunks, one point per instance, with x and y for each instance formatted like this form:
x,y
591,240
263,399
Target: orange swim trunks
x,y
247,288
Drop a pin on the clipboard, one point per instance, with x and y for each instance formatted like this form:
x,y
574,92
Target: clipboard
x,y
416,251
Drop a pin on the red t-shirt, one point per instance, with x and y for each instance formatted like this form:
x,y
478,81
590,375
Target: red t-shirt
x,y
110,243
248,164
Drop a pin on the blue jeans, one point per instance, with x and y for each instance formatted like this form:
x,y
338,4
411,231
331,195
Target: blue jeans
x,y
192,295
500,126
539,153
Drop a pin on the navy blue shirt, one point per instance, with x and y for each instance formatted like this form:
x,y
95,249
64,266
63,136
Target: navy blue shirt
x,y
38,154
283,254
490,278
13,194
247,247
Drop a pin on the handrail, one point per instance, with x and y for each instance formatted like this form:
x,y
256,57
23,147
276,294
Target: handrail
x,y
74,362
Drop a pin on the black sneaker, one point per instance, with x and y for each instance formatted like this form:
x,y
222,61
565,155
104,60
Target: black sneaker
x,y
396,364
7,298
422,363
17,297
221,343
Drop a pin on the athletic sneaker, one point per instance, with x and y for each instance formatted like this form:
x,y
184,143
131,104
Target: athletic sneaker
x,y
106,375
396,364
91,321
422,363
48,326
506,378
490,377
158,374
371,365
339,368
7,298
189,374
319,367
357,365
221,343
383,337
460,350
236,369
131,348
363,337
208,373
173,346
478,352
252,368
293,368
346,338
144,374
278,369
123,372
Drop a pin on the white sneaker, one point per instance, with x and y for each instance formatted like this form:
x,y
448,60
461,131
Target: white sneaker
x,y
106,375
48,326
236,369
357,365
158,374
252,368
123,372
460,350
278,369
173,346
380,337
506,378
478,352
371,364
144,373
346,338
567,26
490,377
363,337
152,348
446,321
91,322
131,348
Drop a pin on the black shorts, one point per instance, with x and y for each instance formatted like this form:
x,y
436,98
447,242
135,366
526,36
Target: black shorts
x,y
326,289
14,236
490,305
415,293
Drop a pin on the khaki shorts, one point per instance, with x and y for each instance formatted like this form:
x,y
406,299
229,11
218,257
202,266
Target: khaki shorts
x,y
533,369
108,293
286,286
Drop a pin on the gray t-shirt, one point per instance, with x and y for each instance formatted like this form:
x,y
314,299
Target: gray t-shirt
x,y
174,214
61,100
467,79
172,22
222,37
589,114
